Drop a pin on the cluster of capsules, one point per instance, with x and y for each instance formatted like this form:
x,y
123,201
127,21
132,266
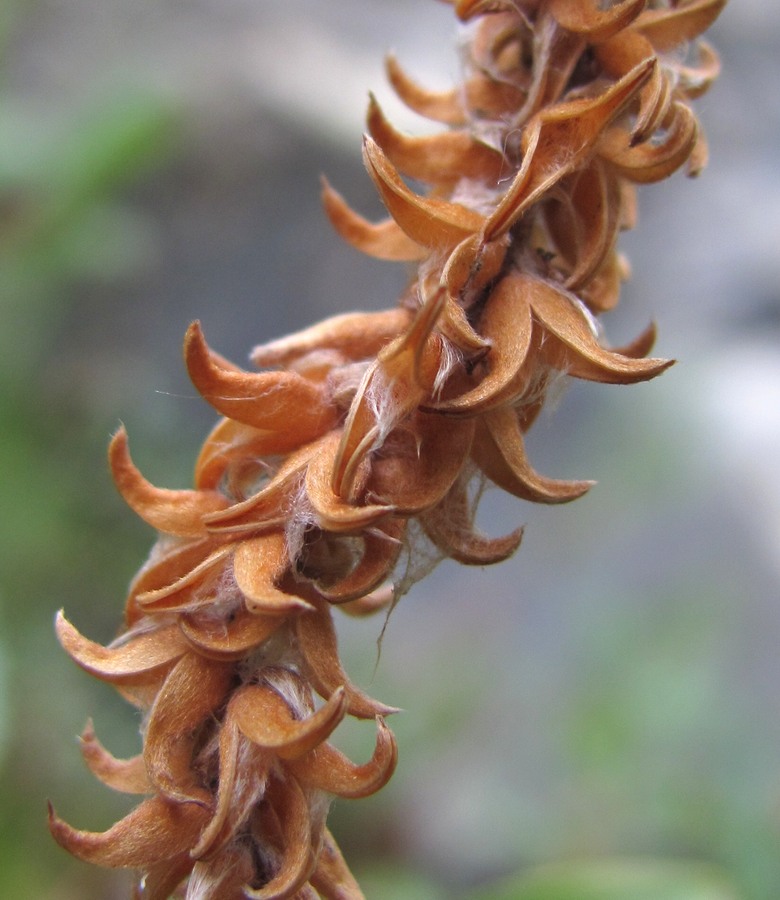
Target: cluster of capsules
x,y
354,439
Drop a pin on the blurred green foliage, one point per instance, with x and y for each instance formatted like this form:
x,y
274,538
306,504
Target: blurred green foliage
x,y
62,224
614,880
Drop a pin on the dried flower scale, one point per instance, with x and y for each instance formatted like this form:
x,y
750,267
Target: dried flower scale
x,y
361,436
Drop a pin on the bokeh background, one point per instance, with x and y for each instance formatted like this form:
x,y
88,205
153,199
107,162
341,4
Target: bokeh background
x,y
614,690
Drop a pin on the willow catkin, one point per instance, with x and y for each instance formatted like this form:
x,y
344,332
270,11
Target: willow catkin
x,y
361,437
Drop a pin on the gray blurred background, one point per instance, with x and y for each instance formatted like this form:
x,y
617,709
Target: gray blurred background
x,y
613,689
